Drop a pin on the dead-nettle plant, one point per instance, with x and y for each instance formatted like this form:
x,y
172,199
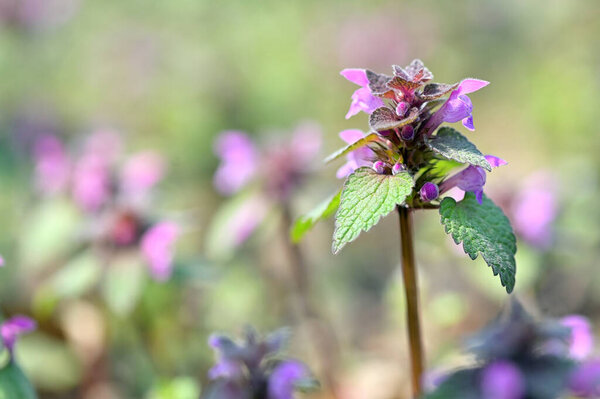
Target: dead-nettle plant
x,y
408,162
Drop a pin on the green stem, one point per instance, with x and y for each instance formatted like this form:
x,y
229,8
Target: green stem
x,y
409,274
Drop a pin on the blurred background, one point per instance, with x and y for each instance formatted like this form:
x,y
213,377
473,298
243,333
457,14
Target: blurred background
x,y
137,92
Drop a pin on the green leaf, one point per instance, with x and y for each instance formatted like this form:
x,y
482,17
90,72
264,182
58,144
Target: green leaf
x,y
450,144
124,280
483,229
366,197
351,147
305,223
14,384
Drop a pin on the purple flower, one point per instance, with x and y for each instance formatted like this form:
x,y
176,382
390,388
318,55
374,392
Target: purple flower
x,y
362,99
502,380
407,133
239,162
357,158
91,181
283,378
457,107
397,168
581,341
535,209
472,178
52,165
585,380
429,192
141,172
157,248
1,261
11,328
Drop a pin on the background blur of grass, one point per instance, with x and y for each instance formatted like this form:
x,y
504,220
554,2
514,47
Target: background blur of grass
x,y
170,75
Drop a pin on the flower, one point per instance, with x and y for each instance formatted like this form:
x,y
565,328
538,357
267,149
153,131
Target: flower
x,y
157,248
502,380
91,181
52,164
585,380
581,340
239,162
429,192
535,209
357,158
379,167
283,378
249,367
141,172
362,99
457,107
472,178
11,328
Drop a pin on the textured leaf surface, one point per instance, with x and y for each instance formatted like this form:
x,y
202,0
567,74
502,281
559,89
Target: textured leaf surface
x,y
305,223
366,197
450,144
378,82
434,91
385,119
369,138
482,229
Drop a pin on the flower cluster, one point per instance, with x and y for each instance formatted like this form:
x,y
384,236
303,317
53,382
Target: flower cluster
x,y
252,370
112,191
405,127
519,357
262,178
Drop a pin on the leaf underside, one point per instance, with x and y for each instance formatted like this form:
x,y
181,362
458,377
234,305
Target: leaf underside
x,y
450,144
305,223
384,118
366,197
369,138
482,229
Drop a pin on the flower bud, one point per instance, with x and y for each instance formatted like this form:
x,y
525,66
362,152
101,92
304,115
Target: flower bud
x,y
429,192
407,133
397,168
379,167
401,108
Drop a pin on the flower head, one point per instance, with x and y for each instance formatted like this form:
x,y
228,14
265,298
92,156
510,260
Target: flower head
x,y
11,328
429,192
141,172
52,164
362,99
239,162
248,366
502,380
157,248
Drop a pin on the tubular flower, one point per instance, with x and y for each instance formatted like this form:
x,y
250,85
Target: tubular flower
x,y
362,99
472,178
12,328
360,157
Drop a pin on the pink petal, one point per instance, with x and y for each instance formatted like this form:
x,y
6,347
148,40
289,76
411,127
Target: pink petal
x,y
471,85
495,161
351,136
356,76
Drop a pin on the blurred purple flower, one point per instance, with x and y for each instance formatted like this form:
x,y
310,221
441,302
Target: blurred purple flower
x,y
1,261
283,378
357,158
581,340
141,172
432,379
472,178
362,99
535,209
157,248
502,380
91,181
239,162
457,107
11,328
585,380
52,165
306,143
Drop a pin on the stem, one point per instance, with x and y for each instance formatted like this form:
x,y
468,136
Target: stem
x,y
321,335
409,274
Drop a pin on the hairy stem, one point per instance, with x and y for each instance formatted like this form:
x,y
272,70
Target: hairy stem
x,y
409,274
321,334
